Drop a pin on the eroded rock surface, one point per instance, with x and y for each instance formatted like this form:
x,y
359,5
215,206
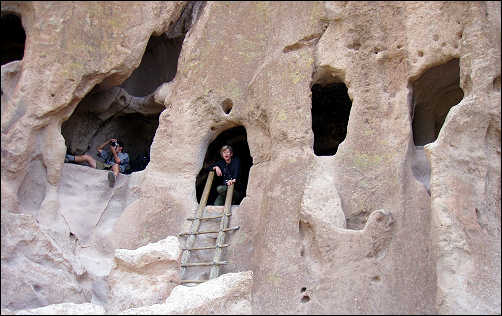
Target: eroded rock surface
x,y
227,294
63,309
389,218
144,276
33,262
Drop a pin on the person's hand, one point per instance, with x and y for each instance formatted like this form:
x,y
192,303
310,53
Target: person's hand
x,y
218,171
230,182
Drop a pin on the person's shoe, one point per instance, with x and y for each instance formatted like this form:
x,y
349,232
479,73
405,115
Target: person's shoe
x,y
111,179
69,158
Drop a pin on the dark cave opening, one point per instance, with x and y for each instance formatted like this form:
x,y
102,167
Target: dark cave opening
x,y
126,112
13,38
85,130
237,138
434,94
129,112
160,59
159,65
330,115
137,132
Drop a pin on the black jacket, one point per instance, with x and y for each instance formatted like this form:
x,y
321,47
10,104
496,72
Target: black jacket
x,y
229,171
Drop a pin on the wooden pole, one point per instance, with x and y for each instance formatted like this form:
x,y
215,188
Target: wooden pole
x,y
196,222
215,270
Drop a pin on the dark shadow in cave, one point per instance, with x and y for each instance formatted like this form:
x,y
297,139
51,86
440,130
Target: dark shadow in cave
x,y
87,128
137,132
330,115
159,65
434,94
160,60
235,137
13,38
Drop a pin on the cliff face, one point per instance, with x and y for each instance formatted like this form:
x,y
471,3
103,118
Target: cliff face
x,y
373,130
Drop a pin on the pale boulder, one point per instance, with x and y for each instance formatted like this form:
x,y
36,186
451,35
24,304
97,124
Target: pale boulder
x,y
422,225
64,309
144,276
32,263
227,294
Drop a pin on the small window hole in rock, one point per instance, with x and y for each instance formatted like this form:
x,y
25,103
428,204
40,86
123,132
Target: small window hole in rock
x,y
496,83
330,115
303,289
227,105
126,111
237,138
435,92
306,238
305,298
13,38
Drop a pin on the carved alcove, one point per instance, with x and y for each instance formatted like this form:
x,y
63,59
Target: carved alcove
x,y
235,137
330,115
129,111
13,38
435,92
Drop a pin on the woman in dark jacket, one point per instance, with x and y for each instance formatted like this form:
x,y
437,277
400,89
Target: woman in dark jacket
x,y
228,169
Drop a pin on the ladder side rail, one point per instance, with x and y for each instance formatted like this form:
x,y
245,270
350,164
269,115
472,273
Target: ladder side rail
x,y
215,269
196,223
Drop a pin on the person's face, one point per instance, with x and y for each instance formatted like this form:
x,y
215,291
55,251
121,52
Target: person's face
x,y
227,155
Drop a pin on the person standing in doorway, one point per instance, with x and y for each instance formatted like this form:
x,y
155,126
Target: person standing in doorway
x,y
228,171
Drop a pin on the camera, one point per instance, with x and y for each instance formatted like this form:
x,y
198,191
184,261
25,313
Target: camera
x,y
114,144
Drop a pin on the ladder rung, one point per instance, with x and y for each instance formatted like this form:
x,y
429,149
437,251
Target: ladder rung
x,y
208,247
207,217
204,264
203,218
209,232
193,281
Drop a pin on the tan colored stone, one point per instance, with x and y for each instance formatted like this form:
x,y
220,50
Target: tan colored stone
x,y
144,276
35,270
64,309
227,294
382,221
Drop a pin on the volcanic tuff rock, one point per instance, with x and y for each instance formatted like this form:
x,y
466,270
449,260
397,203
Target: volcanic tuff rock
x,y
229,293
144,276
61,309
407,210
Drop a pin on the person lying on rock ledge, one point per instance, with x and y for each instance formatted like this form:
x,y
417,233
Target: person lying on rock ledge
x,y
114,159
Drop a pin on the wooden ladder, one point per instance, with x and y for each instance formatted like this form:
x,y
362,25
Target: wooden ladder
x,y
194,232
